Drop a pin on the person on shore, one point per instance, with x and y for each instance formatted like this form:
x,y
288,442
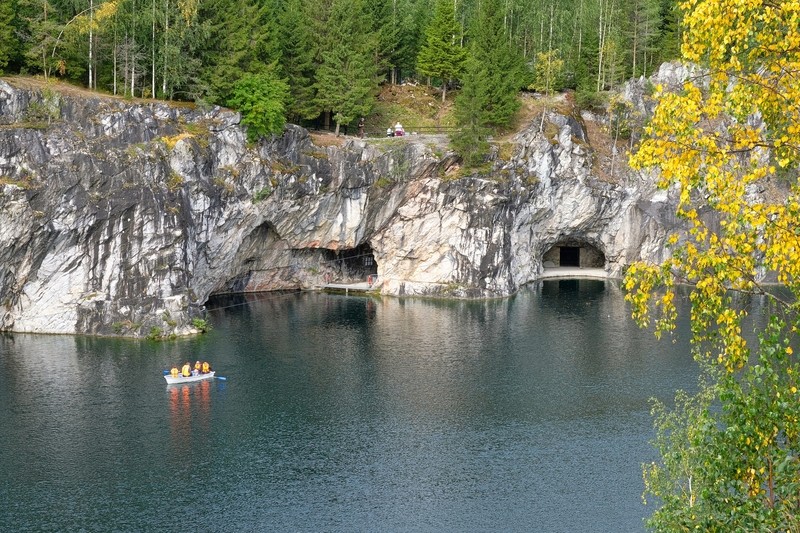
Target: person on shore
x,y
361,127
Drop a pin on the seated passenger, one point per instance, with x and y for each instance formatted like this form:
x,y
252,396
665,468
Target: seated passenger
x,y
186,371
206,367
174,372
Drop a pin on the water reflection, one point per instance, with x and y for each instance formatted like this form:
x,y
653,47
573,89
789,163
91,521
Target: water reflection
x,y
345,414
190,414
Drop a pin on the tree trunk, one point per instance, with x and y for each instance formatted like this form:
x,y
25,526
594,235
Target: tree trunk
x,y
153,54
91,35
166,44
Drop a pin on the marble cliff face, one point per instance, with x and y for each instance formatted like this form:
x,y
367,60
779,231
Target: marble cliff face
x,y
118,217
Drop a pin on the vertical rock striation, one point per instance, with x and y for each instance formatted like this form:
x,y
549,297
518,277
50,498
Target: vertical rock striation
x,y
122,218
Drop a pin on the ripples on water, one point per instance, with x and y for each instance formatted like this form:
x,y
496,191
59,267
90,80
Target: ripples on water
x,y
344,414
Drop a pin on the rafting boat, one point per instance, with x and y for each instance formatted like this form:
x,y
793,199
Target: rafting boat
x,y
194,377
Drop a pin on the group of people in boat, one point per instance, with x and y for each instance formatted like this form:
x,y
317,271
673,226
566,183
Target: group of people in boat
x,y
187,369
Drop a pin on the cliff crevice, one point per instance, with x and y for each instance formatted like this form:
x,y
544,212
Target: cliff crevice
x,y
122,218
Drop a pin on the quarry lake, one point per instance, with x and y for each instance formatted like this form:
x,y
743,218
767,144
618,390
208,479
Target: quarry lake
x,y
345,413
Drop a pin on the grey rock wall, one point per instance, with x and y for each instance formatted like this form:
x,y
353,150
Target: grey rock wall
x,y
119,217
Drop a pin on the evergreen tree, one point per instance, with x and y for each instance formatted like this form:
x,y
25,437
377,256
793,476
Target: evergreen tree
x,y
504,70
39,27
411,17
470,141
383,19
642,32
669,40
441,54
346,77
242,39
8,43
297,60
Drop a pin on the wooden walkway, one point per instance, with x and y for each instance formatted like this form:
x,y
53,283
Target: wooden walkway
x,y
347,287
573,272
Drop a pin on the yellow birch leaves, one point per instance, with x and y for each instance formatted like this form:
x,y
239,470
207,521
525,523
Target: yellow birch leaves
x,y
728,142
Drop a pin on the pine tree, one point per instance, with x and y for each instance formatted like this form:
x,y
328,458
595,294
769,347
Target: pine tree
x,y
669,40
470,141
441,55
242,40
8,43
346,76
410,17
644,20
384,26
504,68
297,60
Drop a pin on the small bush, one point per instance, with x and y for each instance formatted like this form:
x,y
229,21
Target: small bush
x,y
201,324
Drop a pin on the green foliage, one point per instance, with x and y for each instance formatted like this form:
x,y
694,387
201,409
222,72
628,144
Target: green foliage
x,y
198,51
8,42
46,109
382,17
730,455
347,78
441,55
491,83
589,99
734,468
297,60
470,140
260,99
262,194
547,73
241,40
201,324
500,72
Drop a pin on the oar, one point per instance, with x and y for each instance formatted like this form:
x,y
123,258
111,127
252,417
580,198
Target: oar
x,y
223,378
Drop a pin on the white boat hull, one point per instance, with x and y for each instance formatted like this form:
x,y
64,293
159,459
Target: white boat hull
x,y
180,379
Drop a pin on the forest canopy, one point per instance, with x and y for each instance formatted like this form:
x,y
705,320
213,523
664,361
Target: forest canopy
x,y
332,54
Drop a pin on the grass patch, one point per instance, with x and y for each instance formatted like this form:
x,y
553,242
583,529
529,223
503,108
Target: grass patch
x,y
418,108
170,142
327,139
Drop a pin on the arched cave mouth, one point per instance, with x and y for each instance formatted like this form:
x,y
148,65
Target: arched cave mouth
x,y
574,254
350,265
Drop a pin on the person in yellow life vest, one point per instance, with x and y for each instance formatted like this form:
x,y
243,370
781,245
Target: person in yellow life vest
x,y
186,371
174,372
206,367
197,366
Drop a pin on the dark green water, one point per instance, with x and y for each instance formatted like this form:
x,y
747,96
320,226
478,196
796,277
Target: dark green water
x,y
344,414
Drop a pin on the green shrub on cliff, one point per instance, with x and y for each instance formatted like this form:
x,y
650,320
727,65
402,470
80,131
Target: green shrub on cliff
x,y
261,99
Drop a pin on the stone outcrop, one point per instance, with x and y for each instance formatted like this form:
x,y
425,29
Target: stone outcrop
x,y
122,218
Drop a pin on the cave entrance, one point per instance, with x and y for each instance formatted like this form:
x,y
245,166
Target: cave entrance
x,y
352,265
569,256
574,254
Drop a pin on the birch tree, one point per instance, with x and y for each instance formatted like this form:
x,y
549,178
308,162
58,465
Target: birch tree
x,y
729,454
